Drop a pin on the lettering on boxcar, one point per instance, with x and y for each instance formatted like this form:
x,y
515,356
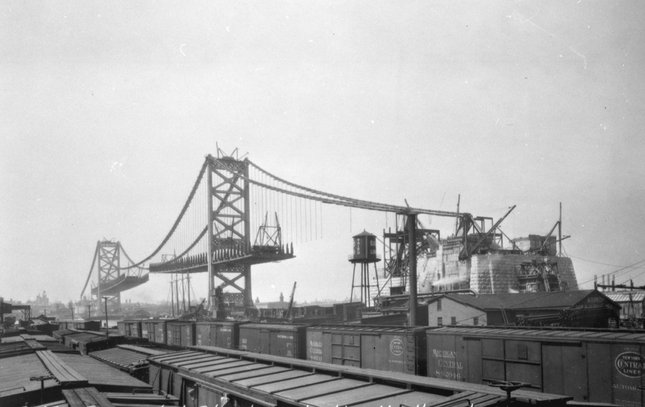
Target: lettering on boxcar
x,y
315,350
629,364
448,367
396,346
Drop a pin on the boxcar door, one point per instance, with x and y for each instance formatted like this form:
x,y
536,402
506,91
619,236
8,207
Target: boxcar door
x,y
264,346
564,370
370,353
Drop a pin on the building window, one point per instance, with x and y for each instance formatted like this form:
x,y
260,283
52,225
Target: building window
x,y
453,320
476,321
439,304
439,321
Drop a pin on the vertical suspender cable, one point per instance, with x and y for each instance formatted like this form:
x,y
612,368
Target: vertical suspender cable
x,y
311,220
301,220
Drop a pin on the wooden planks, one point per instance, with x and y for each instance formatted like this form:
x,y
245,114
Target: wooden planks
x,y
63,373
102,376
87,396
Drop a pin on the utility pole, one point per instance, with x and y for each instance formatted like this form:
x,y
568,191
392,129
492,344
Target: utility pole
x,y
183,292
457,217
177,292
412,267
188,277
560,232
172,297
107,331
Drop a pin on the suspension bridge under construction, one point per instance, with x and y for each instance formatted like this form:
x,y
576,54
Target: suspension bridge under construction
x,y
231,221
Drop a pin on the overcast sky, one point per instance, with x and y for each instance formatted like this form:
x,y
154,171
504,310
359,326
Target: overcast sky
x,y
108,109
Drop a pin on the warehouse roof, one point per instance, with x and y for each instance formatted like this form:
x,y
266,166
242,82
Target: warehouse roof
x,y
554,299
625,296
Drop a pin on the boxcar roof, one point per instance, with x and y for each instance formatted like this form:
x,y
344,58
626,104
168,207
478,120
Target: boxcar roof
x,y
305,382
544,333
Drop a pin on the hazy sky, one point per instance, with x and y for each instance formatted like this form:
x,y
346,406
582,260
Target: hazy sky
x,y
108,109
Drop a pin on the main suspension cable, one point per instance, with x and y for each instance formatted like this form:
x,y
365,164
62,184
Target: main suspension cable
x,y
181,215
343,200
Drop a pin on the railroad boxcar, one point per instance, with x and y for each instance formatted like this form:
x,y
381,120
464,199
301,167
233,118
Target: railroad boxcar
x,y
180,333
223,334
273,339
156,330
229,377
396,349
148,330
144,329
132,328
602,366
120,326
87,341
65,325
87,325
60,334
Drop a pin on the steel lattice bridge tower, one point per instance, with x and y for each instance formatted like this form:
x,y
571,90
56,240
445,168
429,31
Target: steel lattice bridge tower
x,y
112,278
231,254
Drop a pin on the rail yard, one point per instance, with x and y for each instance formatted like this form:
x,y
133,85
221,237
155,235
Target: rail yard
x,y
463,317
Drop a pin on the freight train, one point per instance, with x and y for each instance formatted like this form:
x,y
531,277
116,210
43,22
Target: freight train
x,y
590,365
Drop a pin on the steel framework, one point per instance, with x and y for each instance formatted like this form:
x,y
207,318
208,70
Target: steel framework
x,y
111,280
228,224
109,269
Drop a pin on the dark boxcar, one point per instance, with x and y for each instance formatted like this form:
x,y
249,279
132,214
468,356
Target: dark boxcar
x,y
61,334
181,333
593,366
223,334
394,349
148,326
144,329
273,339
132,328
87,325
157,330
120,325
65,325
86,342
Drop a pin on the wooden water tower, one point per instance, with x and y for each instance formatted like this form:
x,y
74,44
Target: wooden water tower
x,y
364,254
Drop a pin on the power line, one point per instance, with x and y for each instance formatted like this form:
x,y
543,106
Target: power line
x,y
595,262
619,270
